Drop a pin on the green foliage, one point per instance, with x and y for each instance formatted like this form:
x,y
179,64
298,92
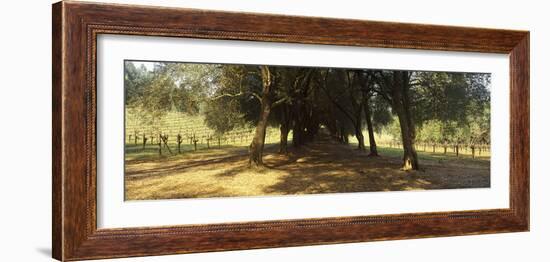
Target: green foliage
x,y
236,94
430,132
450,108
223,116
446,107
155,100
393,129
381,113
136,80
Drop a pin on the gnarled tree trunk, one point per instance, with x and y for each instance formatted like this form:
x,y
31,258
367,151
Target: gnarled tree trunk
x,y
284,128
257,145
283,144
297,132
372,141
401,105
359,135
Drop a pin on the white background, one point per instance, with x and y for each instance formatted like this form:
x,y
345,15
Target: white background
x,y
114,212
25,106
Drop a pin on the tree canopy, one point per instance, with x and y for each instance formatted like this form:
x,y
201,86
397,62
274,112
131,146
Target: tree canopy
x,y
413,107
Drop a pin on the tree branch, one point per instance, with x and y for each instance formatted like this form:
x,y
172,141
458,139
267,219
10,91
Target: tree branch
x,y
280,101
342,109
237,95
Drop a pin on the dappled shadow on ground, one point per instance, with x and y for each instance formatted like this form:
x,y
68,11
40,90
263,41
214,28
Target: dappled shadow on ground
x,y
323,166
342,169
175,167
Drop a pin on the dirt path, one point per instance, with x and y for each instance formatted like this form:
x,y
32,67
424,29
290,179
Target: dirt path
x,y
323,166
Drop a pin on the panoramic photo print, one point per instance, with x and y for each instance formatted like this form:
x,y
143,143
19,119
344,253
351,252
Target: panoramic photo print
x,y
198,130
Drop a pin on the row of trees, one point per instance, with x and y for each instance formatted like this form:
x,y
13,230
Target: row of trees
x,y
438,105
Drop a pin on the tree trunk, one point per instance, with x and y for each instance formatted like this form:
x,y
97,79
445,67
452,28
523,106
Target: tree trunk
x,y
297,133
360,137
410,159
257,145
401,105
372,141
312,127
296,137
160,146
283,144
343,136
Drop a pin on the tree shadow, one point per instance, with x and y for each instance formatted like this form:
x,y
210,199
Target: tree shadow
x,y
179,167
323,166
344,169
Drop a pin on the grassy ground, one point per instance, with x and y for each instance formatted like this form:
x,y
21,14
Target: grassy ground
x,y
323,166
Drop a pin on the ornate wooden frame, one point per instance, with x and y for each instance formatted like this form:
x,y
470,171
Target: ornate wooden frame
x,y
76,26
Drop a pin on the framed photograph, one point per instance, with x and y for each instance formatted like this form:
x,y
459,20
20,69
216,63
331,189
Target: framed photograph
x,y
182,130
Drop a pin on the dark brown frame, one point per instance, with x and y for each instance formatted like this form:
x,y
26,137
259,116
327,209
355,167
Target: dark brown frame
x,y
75,29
